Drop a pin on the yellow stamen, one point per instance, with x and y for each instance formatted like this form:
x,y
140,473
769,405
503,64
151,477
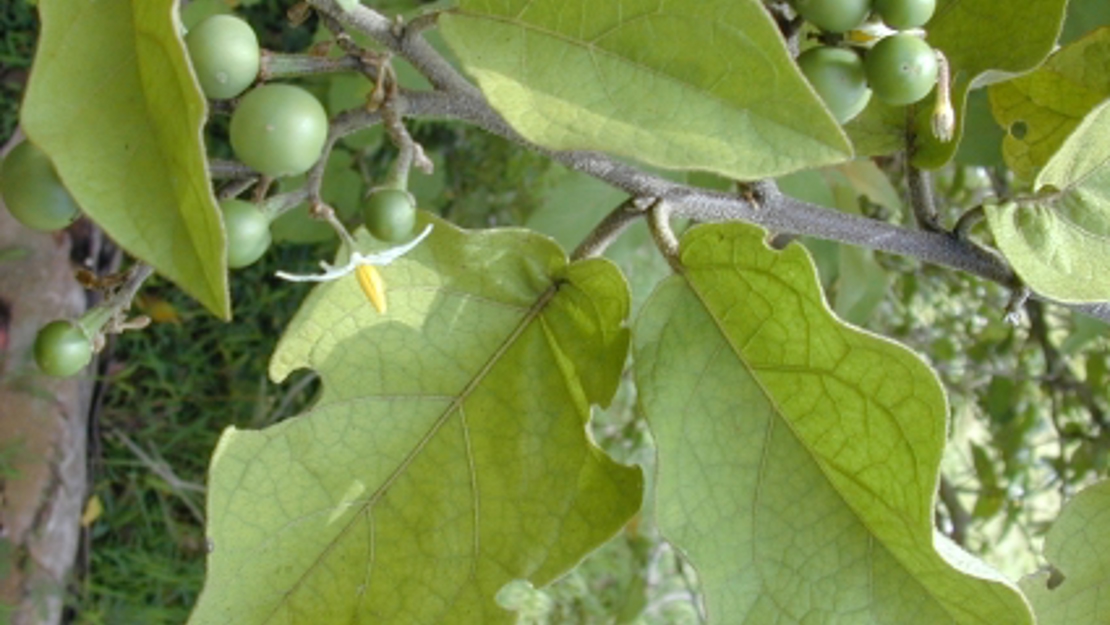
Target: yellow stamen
x,y
372,285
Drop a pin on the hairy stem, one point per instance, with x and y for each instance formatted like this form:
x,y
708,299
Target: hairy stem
x,y
611,227
456,98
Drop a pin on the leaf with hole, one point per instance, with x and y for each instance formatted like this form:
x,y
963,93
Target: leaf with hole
x,y
1059,240
1039,110
448,453
1077,589
978,36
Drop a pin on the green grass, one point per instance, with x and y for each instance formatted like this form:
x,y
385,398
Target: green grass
x,y
18,28
170,390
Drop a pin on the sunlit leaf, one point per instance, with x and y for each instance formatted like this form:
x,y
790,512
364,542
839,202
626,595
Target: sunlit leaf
x,y
113,101
688,85
1078,548
448,454
1059,242
798,456
1041,109
982,140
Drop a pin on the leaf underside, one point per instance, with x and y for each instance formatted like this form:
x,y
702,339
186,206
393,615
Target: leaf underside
x,y
114,103
684,85
1078,547
448,453
1041,109
798,456
1059,242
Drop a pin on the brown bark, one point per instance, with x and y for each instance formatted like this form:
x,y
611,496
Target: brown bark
x,y
42,428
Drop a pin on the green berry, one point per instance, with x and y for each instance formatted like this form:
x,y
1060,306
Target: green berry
x,y
838,77
905,14
225,55
279,130
390,215
901,69
33,192
248,232
834,16
62,349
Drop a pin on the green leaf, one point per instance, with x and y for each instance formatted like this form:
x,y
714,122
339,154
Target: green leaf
x,y
683,85
855,282
1084,330
114,103
1041,109
1084,16
448,453
1078,547
861,285
798,456
982,141
977,36
575,203
1058,241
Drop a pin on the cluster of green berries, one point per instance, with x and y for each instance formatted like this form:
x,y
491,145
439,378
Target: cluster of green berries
x,y
277,129
900,69
36,198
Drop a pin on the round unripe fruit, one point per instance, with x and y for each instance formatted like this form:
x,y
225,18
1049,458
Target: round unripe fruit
x,y
389,215
279,130
62,349
248,232
905,14
834,16
838,77
225,55
901,69
32,191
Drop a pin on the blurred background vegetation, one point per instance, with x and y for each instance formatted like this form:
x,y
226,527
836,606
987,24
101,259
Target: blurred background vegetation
x,y
1029,401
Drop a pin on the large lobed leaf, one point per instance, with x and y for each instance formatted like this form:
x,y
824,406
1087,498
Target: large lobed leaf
x,y
798,456
687,85
448,453
1078,546
977,36
1043,107
114,103
1059,241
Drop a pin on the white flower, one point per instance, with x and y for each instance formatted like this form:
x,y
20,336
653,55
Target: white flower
x,y
357,259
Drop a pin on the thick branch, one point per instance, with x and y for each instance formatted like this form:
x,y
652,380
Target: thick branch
x,y
412,47
777,212
455,98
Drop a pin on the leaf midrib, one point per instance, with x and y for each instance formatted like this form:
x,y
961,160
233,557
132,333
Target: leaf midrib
x,y
780,416
456,406
592,49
